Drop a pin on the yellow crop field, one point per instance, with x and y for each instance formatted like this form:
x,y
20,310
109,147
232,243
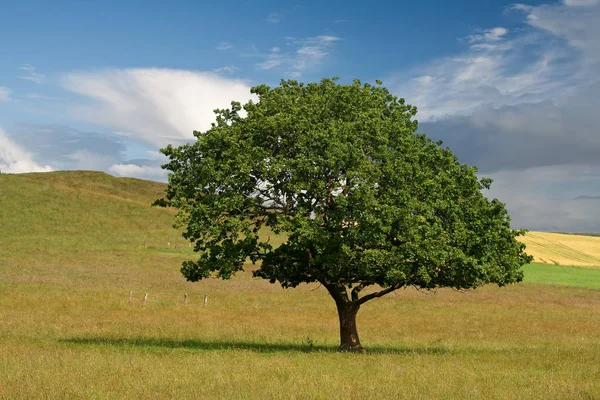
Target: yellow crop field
x,y
562,249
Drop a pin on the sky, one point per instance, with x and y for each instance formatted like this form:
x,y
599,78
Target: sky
x,y
512,88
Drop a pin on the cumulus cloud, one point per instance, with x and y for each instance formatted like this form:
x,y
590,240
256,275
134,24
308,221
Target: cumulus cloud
x,y
158,106
66,148
139,171
305,54
15,160
5,94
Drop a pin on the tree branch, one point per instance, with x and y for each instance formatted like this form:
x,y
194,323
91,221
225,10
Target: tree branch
x,y
371,296
357,290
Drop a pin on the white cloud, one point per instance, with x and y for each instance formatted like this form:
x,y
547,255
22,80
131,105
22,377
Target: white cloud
x,y
68,148
228,69
137,171
577,3
158,106
305,55
224,46
577,21
15,160
522,106
5,94
529,66
31,74
493,35
88,160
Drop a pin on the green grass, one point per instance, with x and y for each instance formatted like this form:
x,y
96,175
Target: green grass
x,y
562,275
73,245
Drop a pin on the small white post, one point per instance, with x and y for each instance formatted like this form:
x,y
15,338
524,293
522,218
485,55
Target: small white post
x,y
145,298
205,299
168,244
130,296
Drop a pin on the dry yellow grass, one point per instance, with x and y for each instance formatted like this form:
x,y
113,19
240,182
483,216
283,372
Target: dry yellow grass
x,y
561,249
73,245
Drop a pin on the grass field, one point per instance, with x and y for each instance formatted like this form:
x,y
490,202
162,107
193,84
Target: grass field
x,y
561,275
73,245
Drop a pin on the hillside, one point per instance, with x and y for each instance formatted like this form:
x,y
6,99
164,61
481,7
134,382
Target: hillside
x,y
84,224
563,249
77,212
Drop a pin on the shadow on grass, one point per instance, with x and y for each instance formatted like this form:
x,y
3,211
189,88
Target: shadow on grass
x,y
210,345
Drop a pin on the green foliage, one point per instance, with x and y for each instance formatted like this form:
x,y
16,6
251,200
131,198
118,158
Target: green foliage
x,y
362,198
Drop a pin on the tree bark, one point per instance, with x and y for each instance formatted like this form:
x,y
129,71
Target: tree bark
x,y
349,341
347,310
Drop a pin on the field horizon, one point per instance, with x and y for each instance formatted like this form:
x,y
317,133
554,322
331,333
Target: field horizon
x,y
75,244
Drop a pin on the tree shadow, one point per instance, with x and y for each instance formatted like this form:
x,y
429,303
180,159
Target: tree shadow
x,y
216,345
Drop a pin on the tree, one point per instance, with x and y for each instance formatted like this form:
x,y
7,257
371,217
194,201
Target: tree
x,y
366,204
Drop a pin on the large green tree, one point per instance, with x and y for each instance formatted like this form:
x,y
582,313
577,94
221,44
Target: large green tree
x,y
366,205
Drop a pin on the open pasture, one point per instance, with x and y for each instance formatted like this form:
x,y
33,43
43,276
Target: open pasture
x,y
73,246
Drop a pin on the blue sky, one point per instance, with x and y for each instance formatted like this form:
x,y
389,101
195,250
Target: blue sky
x,y
509,87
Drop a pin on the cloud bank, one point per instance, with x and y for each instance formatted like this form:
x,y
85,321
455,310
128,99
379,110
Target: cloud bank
x,y
15,160
522,106
157,106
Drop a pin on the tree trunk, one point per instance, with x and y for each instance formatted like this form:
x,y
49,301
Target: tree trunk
x,y
349,341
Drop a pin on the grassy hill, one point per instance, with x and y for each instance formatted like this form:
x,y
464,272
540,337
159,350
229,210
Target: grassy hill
x,y
74,244
75,210
66,224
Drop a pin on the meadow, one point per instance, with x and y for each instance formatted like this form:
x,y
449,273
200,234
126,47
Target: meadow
x,y
73,245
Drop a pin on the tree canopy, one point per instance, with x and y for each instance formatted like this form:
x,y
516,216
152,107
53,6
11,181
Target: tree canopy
x,y
362,200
